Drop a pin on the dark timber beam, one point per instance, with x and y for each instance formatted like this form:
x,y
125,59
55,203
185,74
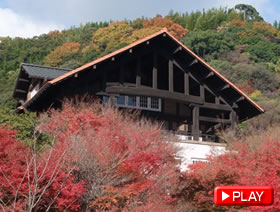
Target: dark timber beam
x,y
195,123
122,73
202,92
155,69
192,63
216,120
186,83
138,72
213,106
147,91
221,88
179,48
104,80
21,91
233,119
217,100
197,79
23,80
170,75
238,99
208,75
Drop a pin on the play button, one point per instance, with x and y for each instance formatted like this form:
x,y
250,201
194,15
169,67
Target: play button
x,y
224,196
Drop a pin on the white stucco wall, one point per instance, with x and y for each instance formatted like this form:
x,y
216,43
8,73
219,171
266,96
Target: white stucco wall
x,y
194,151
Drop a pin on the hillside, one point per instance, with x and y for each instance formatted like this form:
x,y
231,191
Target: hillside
x,y
237,42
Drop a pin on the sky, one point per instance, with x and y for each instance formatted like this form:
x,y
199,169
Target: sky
x,y
28,18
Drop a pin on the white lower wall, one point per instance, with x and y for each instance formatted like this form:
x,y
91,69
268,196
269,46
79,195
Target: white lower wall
x,y
193,151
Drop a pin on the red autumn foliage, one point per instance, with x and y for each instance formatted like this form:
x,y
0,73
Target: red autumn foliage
x,y
126,163
253,163
175,29
29,184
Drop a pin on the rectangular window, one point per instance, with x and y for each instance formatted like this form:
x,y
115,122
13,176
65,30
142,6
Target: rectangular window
x,y
120,100
105,99
154,103
132,101
143,101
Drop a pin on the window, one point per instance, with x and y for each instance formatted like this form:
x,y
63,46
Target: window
x,y
143,101
120,100
138,102
132,101
154,103
105,99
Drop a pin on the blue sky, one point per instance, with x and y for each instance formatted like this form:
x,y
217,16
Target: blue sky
x,y
27,18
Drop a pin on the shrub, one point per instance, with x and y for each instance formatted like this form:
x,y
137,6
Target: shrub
x,y
126,163
253,162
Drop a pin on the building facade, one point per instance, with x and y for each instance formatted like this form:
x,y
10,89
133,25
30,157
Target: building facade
x,y
158,76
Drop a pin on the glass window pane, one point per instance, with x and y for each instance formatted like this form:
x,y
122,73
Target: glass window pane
x,y
154,103
105,99
132,101
120,100
143,101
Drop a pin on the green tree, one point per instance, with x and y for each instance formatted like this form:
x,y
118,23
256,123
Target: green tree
x,y
249,12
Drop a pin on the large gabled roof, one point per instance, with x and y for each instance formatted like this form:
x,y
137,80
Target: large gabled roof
x,y
60,79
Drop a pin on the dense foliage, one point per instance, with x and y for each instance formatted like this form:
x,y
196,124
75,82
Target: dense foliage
x,y
253,162
116,163
100,159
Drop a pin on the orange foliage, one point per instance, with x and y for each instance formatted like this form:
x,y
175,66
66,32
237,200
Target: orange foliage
x,y
55,58
238,23
175,29
265,28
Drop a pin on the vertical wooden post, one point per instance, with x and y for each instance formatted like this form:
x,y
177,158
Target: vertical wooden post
x,y
122,73
233,119
155,69
170,75
138,72
186,83
177,109
202,92
195,123
104,80
217,100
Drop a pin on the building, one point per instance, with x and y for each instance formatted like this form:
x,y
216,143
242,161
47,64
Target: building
x,y
158,75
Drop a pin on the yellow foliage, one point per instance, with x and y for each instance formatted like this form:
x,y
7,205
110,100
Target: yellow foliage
x,y
264,27
142,33
256,93
55,58
246,33
112,35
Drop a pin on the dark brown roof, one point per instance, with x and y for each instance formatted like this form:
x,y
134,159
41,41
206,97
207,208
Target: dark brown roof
x,y
106,57
44,72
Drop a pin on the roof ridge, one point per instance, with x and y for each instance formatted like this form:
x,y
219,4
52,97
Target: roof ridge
x,y
48,67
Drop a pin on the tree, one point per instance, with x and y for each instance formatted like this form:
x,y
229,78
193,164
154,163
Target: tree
x,y
249,12
111,36
32,180
126,162
55,58
175,29
209,42
253,162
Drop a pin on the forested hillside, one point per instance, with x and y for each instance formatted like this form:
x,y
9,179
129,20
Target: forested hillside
x,y
236,41
91,157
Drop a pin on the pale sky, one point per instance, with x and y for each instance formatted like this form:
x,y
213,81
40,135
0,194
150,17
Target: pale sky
x,y
27,18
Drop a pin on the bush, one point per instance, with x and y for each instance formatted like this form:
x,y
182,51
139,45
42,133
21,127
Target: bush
x,y
253,162
126,162
35,181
